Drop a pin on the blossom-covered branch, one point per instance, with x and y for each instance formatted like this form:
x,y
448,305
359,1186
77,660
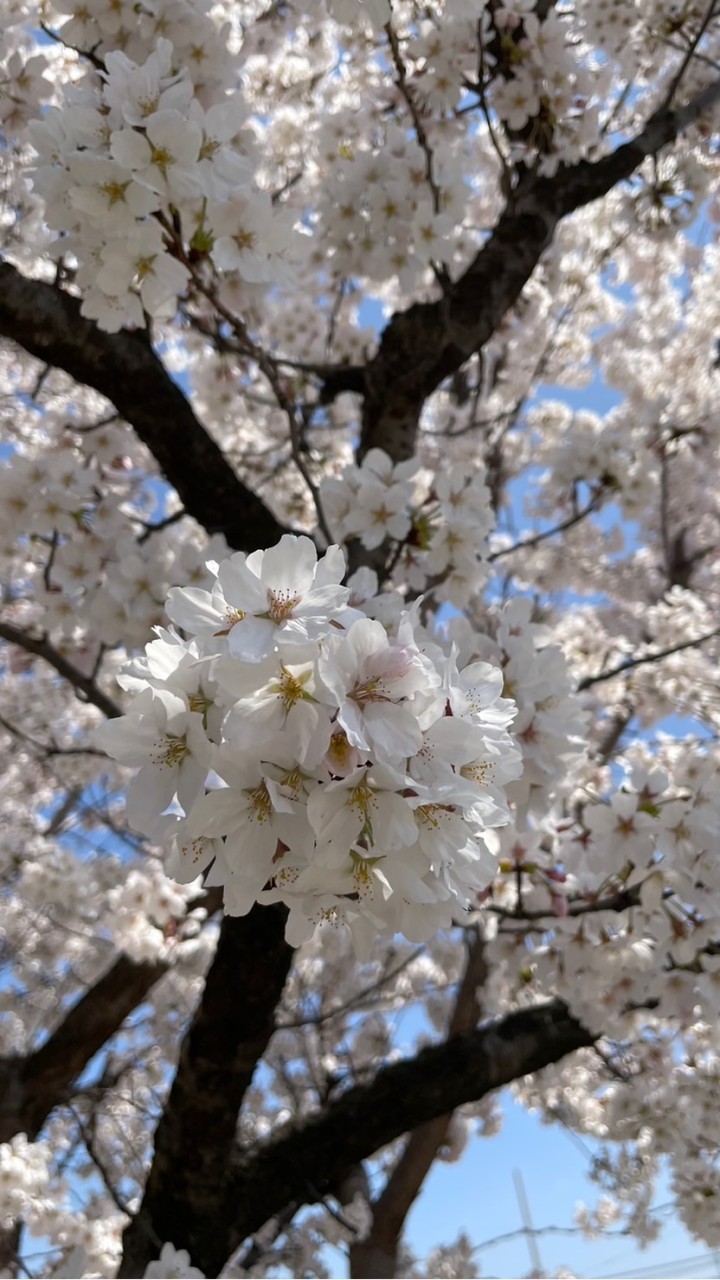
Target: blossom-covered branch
x,y
48,323
43,648
422,346
33,1086
643,659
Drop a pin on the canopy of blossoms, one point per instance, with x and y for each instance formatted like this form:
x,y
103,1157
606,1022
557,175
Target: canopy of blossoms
x,y
359,634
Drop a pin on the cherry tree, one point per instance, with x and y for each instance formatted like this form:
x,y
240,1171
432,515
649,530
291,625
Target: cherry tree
x,y
352,658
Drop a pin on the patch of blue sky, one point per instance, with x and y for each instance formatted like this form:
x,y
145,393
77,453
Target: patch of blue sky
x,y
477,1195
87,833
159,493
596,395
677,725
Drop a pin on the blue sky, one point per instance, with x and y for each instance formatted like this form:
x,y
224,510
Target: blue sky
x,y
478,1195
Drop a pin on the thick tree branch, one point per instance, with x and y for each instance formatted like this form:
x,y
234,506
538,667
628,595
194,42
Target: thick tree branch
x,y
196,1134
31,1087
124,368
311,1157
422,346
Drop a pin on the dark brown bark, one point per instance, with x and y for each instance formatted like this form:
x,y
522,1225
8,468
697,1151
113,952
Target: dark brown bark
x,y
47,322
196,1134
9,1246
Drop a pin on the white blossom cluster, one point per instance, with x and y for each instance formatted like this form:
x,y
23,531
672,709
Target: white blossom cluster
x,y
32,1190
440,519
631,881
359,770
550,724
96,564
145,183
548,83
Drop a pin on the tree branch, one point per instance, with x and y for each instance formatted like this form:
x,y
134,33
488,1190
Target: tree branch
x,y
31,1087
42,648
422,346
631,663
618,900
711,12
196,1133
535,539
123,367
311,1157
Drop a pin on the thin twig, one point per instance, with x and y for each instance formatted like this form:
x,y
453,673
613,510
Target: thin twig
x,y
85,688
710,13
631,663
420,132
90,54
537,538
265,362
507,168
45,749
150,529
354,1002
88,1139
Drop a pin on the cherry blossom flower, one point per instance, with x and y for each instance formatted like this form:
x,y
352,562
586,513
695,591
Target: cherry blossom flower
x,y
375,686
169,743
164,157
284,596
173,1264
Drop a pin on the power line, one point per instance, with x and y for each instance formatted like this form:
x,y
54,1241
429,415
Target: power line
x,y
671,1269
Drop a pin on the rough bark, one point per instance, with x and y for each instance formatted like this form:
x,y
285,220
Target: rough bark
x,y
47,322
196,1133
